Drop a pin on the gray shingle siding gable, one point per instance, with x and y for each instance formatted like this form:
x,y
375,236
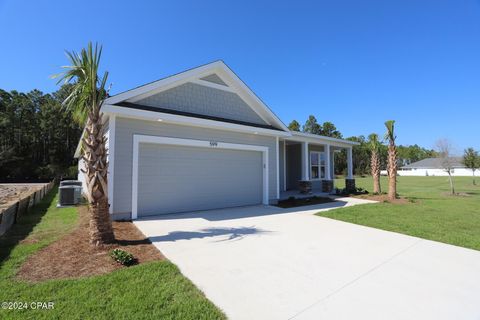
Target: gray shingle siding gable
x,y
194,98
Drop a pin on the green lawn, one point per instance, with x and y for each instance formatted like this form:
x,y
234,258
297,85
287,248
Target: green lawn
x,y
431,214
154,290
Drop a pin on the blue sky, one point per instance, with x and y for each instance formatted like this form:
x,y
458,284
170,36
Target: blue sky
x,y
354,63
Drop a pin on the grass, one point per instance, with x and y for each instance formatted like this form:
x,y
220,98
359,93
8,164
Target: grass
x,y
155,290
431,213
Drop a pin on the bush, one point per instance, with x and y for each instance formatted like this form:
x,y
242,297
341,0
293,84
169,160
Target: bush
x,y
72,172
51,171
123,257
346,192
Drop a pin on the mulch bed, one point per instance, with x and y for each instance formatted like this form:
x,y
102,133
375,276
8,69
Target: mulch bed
x,y
294,202
73,256
384,198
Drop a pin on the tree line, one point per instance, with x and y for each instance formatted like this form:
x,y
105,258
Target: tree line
x,y
38,137
362,153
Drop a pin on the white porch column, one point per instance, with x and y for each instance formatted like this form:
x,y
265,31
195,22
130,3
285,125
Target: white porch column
x,y
111,160
327,162
349,163
284,165
278,166
333,167
305,175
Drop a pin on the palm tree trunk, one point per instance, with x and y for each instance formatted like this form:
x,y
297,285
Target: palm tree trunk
x,y
392,172
376,184
100,225
95,156
375,166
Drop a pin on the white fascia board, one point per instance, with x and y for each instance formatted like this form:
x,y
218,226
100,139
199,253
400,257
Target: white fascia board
x,y
313,138
189,121
262,108
77,154
235,84
192,76
153,86
248,96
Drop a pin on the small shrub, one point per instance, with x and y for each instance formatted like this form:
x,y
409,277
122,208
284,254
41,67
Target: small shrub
x,y
71,172
346,192
123,257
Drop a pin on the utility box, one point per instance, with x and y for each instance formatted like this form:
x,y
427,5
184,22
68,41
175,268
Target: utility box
x,y
70,183
69,195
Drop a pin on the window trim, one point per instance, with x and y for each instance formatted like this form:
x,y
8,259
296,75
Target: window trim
x,y
319,165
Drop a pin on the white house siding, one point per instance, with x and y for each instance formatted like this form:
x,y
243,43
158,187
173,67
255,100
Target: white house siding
x,y
282,164
81,175
198,99
458,172
126,128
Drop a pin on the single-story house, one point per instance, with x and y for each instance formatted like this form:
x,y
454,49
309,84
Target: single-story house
x,y
433,167
201,139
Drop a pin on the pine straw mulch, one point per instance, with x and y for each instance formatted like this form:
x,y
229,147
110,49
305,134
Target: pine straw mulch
x,y
73,256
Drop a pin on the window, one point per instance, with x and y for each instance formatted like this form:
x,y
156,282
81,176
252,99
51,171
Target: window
x,y
317,165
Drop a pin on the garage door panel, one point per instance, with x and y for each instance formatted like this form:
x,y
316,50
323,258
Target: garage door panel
x,y
179,179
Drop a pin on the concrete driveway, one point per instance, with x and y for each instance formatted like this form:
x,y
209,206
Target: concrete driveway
x,y
268,263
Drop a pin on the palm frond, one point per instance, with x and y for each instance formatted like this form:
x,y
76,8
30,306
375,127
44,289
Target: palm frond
x,y
373,142
88,90
390,134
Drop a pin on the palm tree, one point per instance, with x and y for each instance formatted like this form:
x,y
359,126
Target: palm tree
x,y
392,159
85,100
374,146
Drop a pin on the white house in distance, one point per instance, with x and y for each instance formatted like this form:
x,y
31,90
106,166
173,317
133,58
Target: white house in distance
x,y
200,140
433,167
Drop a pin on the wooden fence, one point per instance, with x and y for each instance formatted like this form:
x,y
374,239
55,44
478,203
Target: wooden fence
x,y
9,216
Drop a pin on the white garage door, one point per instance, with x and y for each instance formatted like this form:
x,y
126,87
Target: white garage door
x,y
182,178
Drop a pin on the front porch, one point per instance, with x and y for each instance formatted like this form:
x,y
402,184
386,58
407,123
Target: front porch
x,y
308,162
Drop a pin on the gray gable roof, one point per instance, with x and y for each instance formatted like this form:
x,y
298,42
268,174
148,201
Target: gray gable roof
x,y
434,163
